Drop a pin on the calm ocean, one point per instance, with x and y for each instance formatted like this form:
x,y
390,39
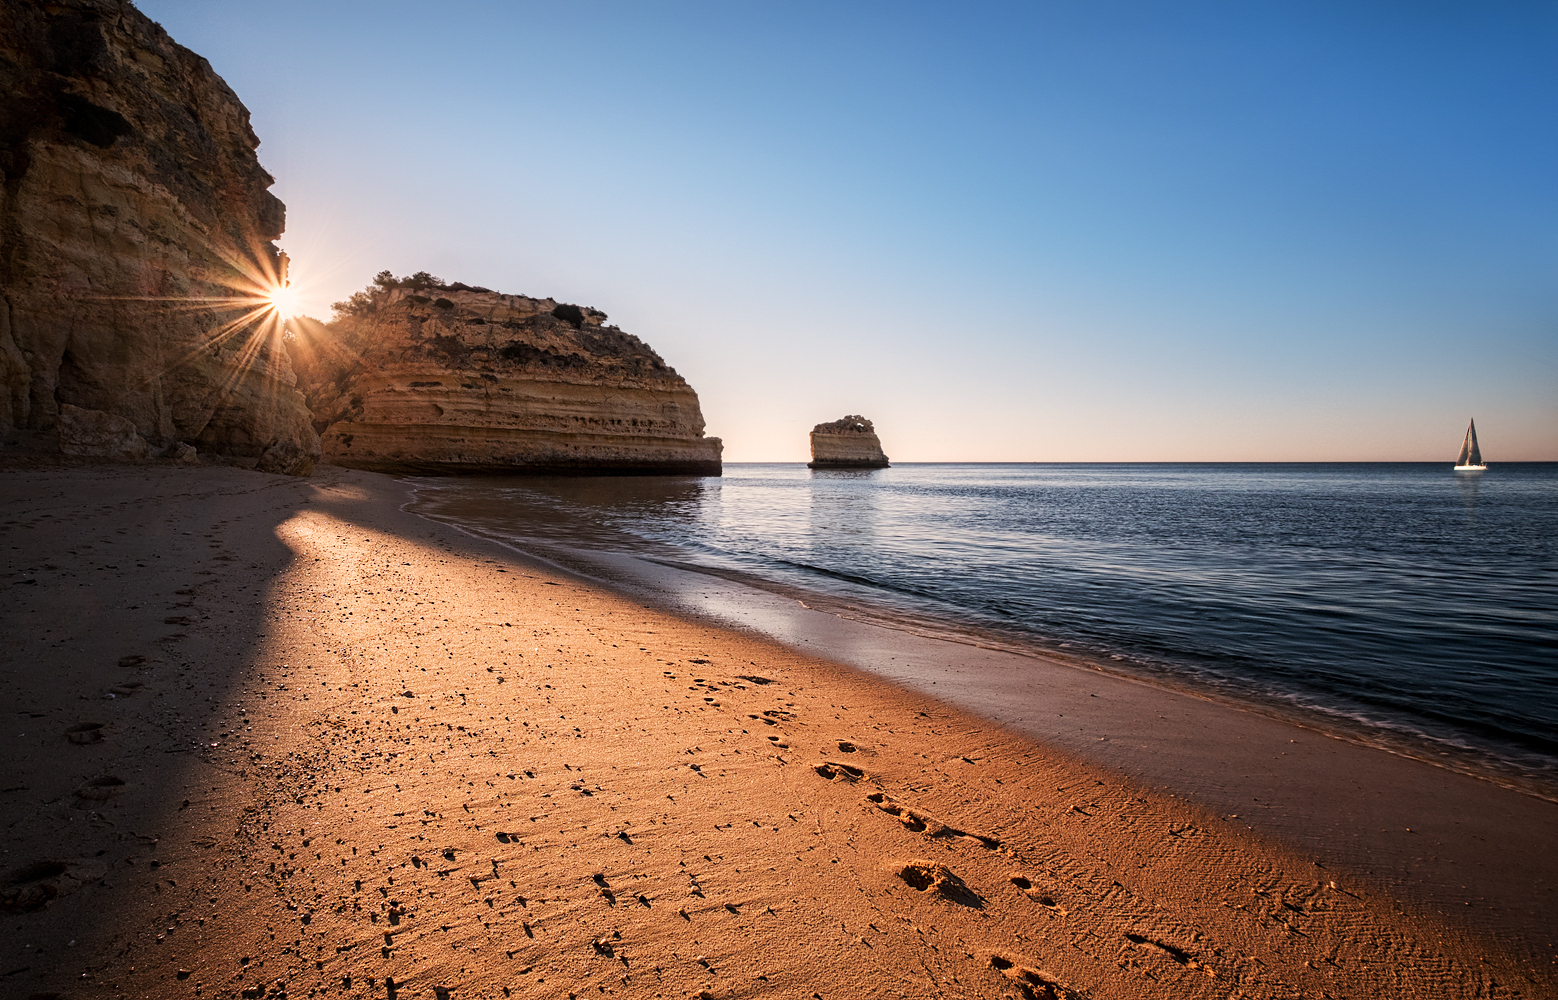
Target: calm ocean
x,y
1399,603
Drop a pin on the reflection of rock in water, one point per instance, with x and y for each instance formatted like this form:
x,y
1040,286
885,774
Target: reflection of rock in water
x,y
464,379
609,496
608,512
847,443
842,510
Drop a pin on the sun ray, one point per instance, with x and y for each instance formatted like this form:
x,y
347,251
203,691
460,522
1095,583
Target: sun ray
x,y
249,304
253,303
221,334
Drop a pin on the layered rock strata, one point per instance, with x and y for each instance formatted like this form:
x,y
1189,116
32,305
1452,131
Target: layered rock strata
x,y
847,443
451,379
135,237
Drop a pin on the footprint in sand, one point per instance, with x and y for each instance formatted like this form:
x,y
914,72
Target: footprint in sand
x,y
832,770
31,886
928,876
125,689
919,822
99,789
847,747
133,660
915,822
1043,897
1034,984
85,732
1179,955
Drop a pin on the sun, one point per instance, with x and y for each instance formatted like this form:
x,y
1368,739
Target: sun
x,y
283,301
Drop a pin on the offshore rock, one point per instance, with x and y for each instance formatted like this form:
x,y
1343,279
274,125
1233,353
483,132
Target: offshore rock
x,y
465,379
131,204
847,443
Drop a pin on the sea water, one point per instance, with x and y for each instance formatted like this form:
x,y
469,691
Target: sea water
x,y
1403,604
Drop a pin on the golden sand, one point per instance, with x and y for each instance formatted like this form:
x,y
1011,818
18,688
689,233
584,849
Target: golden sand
x,y
280,736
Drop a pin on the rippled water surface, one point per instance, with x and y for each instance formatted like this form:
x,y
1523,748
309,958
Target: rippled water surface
x,y
1404,601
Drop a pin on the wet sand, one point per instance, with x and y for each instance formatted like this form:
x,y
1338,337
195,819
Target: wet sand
x,y
1455,844
352,752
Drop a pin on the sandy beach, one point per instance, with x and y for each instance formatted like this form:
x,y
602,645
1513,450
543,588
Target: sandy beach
x,y
281,737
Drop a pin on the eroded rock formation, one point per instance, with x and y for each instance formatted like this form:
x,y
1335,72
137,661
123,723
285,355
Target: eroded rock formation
x,y
449,378
847,443
131,204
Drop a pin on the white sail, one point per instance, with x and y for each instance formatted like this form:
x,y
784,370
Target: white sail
x,y
1470,458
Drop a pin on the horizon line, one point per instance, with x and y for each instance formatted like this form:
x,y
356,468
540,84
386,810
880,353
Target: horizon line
x,y
1171,461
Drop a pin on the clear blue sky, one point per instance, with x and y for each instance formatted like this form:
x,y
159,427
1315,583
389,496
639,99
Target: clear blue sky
x,y
1004,231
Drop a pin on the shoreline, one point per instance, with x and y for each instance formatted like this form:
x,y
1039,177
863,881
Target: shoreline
x,y
337,830
1333,724
1366,827
620,558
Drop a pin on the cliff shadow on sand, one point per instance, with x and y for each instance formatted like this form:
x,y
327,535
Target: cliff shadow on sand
x,y
140,615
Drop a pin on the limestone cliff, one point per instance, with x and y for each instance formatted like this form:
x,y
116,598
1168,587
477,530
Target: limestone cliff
x,y
449,378
847,443
135,235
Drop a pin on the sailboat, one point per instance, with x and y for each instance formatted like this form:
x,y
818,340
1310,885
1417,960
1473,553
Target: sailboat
x,y
1471,456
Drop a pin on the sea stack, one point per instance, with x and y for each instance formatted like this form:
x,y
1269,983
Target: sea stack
x,y
847,443
421,377
135,235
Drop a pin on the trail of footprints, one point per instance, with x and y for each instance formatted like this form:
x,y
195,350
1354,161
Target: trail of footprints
x,y
1146,939
1150,935
927,876
1031,982
32,886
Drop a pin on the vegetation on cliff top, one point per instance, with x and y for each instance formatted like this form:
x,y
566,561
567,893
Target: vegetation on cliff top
x,y
851,424
593,337
371,298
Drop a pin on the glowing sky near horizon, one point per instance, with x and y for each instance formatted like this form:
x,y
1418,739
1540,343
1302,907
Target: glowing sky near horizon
x,y
1085,231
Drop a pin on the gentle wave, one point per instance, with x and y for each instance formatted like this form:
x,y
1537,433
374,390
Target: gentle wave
x,y
1404,604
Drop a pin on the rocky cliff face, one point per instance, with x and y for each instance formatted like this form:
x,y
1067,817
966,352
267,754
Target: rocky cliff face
x,y
133,211
449,378
847,443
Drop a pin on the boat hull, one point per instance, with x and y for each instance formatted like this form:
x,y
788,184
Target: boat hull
x,y
1471,468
